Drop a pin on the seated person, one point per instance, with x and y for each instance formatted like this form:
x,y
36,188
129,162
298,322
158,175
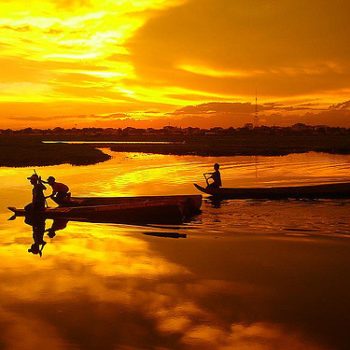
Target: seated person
x,y
215,176
60,192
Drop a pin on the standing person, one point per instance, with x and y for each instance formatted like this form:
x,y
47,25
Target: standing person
x,y
215,176
60,192
38,197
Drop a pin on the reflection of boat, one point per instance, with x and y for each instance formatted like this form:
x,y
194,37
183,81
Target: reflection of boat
x,y
190,204
129,212
335,190
38,223
166,234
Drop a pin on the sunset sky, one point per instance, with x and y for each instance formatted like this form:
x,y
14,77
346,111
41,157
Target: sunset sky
x,y
149,63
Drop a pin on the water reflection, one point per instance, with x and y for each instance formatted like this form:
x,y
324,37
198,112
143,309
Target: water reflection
x,y
100,285
57,224
251,274
37,222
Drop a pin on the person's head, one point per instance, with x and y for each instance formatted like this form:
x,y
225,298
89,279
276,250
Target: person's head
x,y
33,179
216,166
51,233
34,249
51,180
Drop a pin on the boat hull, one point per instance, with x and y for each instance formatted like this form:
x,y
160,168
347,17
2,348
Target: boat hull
x,y
337,190
190,204
143,213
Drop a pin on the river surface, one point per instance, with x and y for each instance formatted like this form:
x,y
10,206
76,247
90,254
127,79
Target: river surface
x,y
245,274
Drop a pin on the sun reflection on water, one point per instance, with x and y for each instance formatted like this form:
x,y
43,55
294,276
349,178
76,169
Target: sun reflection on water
x,y
250,274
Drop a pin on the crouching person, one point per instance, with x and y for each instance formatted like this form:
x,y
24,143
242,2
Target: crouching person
x,y
60,192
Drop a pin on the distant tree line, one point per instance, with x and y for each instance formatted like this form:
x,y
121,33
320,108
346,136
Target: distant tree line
x,y
298,128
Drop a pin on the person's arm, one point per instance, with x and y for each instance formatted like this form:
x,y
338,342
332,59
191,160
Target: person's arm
x,y
52,194
211,175
43,182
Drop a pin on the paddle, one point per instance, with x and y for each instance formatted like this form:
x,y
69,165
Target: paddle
x,y
206,178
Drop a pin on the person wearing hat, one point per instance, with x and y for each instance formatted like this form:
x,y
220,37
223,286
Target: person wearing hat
x,y
215,176
60,192
38,197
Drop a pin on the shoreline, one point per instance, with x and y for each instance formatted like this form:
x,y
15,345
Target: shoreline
x,y
22,151
28,153
203,152
249,145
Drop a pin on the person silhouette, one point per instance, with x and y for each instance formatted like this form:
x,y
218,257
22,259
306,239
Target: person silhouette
x,y
58,224
60,192
38,197
38,225
215,176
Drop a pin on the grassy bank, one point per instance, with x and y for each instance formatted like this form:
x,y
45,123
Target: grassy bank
x,y
25,151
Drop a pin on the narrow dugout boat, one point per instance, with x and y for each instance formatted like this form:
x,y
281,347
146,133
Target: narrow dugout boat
x,y
190,204
147,212
333,190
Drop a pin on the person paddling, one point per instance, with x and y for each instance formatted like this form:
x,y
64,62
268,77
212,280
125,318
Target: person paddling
x,y
60,192
215,176
38,197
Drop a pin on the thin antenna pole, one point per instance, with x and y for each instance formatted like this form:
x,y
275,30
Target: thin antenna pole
x,y
256,116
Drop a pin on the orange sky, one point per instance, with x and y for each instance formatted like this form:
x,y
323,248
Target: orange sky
x,y
182,62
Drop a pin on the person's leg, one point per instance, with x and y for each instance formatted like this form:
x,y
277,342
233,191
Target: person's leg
x,y
60,198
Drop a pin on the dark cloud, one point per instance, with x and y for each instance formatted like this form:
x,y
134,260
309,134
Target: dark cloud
x,y
343,105
21,28
231,107
113,116
208,115
282,47
237,114
217,107
54,31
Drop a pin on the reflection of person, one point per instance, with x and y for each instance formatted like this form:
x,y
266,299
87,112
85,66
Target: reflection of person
x,y
215,176
38,198
58,224
38,224
60,192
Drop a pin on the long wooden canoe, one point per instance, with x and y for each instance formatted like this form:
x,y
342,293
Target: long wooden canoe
x,y
140,212
190,204
334,190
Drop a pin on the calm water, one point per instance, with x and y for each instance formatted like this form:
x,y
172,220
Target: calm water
x,y
251,275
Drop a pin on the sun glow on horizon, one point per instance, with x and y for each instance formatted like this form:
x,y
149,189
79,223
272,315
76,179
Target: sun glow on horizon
x,y
74,58
56,50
